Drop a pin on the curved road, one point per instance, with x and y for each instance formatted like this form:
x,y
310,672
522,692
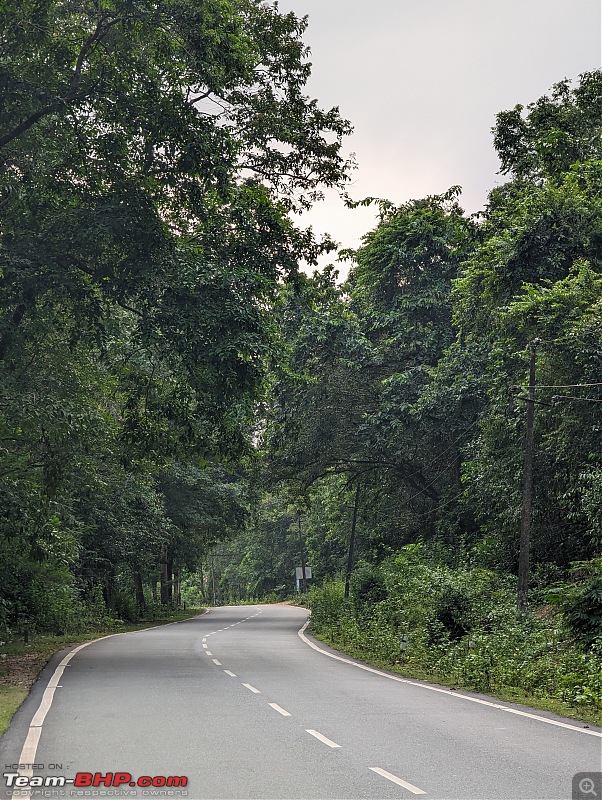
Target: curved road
x,y
244,707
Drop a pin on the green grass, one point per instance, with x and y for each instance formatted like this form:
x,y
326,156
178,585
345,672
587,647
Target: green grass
x,y
25,661
509,694
11,698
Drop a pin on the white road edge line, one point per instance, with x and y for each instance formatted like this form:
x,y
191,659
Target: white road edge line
x,y
390,777
252,688
322,738
230,673
448,692
30,745
279,709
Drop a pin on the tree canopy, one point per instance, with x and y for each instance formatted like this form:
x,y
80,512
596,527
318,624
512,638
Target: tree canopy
x,y
150,154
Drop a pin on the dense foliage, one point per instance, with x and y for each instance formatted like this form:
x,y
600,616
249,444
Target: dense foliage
x,y
410,378
457,625
184,416
149,156
401,402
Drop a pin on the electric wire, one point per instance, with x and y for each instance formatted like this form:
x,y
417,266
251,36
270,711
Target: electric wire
x,y
559,385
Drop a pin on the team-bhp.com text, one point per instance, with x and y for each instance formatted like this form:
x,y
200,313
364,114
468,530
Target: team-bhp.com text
x,y
93,779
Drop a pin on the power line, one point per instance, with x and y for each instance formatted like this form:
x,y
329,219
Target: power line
x,y
440,506
537,402
445,468
447,449
435,479
570,397
560,385
393,466
394,511
442,471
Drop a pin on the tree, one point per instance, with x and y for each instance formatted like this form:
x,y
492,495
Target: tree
x,y
557,131
538,232
124,170
150,154
320,390
400,289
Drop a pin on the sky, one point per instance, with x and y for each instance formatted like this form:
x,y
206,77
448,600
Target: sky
x,y
422,81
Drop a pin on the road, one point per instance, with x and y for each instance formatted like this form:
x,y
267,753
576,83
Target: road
x,y
243,706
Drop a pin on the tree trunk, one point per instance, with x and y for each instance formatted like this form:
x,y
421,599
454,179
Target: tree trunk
x,y
176,586
458,470
107,590
302,548
164,577
18,315
202,582
170,578
140,602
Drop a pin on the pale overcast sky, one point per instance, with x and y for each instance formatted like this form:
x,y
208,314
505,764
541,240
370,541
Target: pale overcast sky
x,y
422,81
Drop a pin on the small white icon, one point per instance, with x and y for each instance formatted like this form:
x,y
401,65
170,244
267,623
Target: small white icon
x,y
587,786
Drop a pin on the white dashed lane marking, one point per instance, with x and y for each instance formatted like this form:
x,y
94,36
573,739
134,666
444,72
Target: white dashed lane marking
x,y
316,734
394,779
279,709
322,738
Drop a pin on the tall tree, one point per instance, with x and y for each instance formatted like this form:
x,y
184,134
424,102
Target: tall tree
x,y
149,157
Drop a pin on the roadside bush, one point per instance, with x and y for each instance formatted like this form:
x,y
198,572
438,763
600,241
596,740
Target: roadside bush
x,y
367,585
57,611
582,605
461,626
328,604
96,614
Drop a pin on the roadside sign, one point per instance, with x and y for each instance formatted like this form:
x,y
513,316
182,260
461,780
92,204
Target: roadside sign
x,y
299,571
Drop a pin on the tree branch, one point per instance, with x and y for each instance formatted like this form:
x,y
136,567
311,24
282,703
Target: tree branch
x,y
18,315
27,124
102,28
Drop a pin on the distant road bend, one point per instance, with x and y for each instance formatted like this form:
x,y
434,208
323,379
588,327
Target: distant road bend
x,y
242,703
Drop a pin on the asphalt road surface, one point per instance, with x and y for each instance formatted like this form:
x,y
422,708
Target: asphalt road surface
x,y
241,705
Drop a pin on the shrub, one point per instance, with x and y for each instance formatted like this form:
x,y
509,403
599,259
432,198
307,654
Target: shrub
x,y
328,603
461,625
583,609
367,585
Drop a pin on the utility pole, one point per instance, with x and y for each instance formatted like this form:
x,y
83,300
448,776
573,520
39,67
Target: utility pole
x,y
349,569
302,548
525,517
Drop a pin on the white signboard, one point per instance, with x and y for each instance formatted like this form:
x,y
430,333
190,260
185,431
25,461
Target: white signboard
x,y
300,573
